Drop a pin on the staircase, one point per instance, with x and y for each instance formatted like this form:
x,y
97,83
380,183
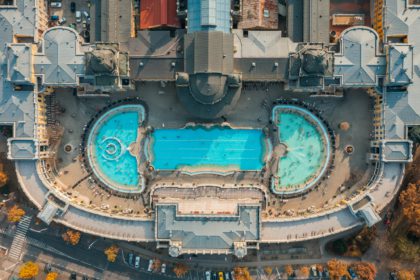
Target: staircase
x,y
20,237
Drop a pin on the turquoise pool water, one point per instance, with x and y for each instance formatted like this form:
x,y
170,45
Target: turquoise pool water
x,y
305,154
242,149
109,144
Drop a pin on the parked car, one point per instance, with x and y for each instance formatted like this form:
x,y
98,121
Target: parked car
x,y
137,262
84,277
150,267
73,276
78,16
86,14
221,276
130,259
163,268
47,268
352,273
314,272
62,20
55,4
232,273
227,275
208,275
54,17
73,7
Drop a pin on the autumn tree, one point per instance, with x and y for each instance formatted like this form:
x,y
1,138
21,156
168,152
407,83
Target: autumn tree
x,y
406,275
268,270
15,214
288,269
337,269
52,276
364,270
3,178
242,273
180,269
304,271
71,236
410,201
112,253
28,270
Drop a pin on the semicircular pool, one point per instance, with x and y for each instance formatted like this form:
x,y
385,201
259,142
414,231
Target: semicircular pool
x,y
108,148
307,149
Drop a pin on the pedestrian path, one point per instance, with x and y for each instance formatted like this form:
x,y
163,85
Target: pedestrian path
x,y
20,237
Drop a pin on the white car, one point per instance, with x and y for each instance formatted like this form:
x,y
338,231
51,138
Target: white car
x,y
78,16
208,276
150,267
55,5
62,20
163,268
137,262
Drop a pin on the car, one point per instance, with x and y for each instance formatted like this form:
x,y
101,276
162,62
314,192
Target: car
x,y
232,273
73,276
208,275
352,273
84,277
55,4
214,276
163,268
62,20
150,267
47,268
78,16
73,7
130,259
137,262
221,276
227,275
314,272
86,14
54,17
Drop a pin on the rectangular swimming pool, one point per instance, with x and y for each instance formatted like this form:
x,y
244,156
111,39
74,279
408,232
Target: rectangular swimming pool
x,y
193,148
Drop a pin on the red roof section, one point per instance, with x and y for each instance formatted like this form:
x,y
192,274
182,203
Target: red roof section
x,y
158,13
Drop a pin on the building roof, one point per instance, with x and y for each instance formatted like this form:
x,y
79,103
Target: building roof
x,y
400,64
61,60
208,15
116,22
22,149
19,63
359,62
259,14
198,232
158,13
397,150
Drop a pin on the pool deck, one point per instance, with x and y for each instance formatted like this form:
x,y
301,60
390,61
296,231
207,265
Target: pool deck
x,y
350,171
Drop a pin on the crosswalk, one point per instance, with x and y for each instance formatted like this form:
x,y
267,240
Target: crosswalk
x,y
20,237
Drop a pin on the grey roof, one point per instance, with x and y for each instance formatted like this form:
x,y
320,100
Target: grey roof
x,y
368,214
397,150
48,212
61,60
316,21
400,64
22,149
359,62
208,231
115,20
19,63
295,20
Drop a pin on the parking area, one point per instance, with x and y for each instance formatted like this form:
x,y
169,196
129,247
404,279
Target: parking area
x,y
71,13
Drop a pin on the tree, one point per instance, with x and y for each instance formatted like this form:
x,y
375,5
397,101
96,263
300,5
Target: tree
x,y
15,214
180,269
337,269
28,270
52,276
410,201
406,275
304,271
364,270
3,178
112,253
268,270
242,273
288,269
71,236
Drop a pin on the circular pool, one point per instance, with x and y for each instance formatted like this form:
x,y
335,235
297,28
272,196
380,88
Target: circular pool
x,y
307,150
109,148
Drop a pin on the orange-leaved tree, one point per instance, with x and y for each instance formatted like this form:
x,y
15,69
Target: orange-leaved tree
x,y
364,270
28,270
288,269
180,269
410,201
15,214
337,269
3,178
406,275
71,236
304,271
112,253
242,273
52,276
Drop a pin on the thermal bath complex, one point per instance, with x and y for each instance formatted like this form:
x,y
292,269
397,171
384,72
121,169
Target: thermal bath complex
x,y
214,138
